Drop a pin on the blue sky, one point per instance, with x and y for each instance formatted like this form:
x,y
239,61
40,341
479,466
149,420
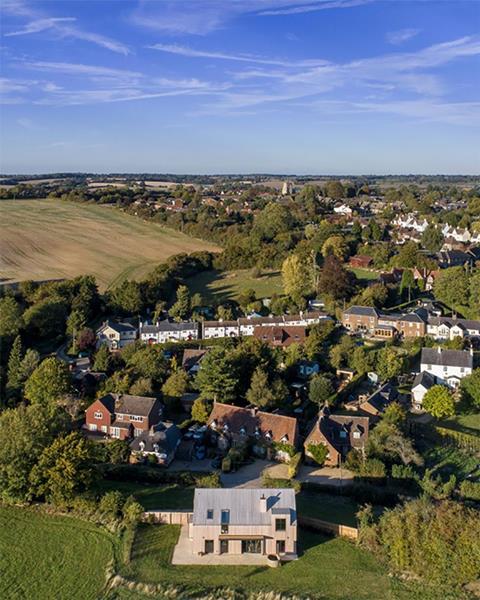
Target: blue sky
x,y
218,86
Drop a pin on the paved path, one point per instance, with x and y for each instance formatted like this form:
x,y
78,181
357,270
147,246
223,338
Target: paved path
x,y
183,555
248,476
325,475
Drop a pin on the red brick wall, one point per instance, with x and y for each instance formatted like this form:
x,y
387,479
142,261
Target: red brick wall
x,y
97,406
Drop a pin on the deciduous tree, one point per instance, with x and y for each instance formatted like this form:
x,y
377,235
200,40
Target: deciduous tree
x,y
439,402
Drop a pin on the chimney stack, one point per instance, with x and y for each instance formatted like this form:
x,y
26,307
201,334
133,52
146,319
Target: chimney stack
x,y
263,503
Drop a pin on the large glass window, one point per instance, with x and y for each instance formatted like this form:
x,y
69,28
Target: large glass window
x,y
224,520
251,546
280,524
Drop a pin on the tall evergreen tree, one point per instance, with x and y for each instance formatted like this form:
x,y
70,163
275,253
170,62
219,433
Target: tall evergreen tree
x,y
14,381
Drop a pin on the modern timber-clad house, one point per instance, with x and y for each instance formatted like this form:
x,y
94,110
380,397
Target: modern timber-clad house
x,y
244,521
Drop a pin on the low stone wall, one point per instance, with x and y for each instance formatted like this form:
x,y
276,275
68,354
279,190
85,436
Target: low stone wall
x,y
168,517
327,527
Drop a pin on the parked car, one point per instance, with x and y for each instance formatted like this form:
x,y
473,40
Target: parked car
x,y
216,462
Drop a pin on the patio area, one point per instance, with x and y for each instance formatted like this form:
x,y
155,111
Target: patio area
x,y
183,555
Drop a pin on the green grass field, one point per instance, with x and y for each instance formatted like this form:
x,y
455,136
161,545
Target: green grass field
x,y
364,274
45,558
467,423
216,286
328,569
153,496
50,239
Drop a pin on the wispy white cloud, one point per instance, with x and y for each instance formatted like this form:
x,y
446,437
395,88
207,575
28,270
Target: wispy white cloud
x,y
39,25
59,26
179,16
314,7
402,35
249,58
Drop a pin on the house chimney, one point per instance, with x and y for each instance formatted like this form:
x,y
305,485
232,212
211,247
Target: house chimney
x,y
263,503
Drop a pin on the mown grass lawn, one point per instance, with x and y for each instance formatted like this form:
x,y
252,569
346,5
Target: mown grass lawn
x,y
364,274
44,557
466,423
329,568
152,496
336,509
228,285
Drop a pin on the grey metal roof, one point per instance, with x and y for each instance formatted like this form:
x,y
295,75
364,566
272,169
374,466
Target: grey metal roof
x,y
244,505
447,358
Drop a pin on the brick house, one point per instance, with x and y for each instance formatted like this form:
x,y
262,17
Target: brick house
x,y
339,433
360,318
281,337
123,416
232,425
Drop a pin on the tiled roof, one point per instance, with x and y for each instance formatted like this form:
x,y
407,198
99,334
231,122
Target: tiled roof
x,y
165,435
282,336
252,421
447,358
119,327
362,311
130,405
329,427
424,379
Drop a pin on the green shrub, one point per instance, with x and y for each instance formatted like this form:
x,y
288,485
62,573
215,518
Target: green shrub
x,y
212,480
272,482
470,490
226,464
437,541
372,468
294,465
111,504
318,452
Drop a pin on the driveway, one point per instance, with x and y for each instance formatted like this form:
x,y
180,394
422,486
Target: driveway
x,y
248,476
202,466
325,475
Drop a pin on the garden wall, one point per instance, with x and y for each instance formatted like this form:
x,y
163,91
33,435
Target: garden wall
x,y
168,517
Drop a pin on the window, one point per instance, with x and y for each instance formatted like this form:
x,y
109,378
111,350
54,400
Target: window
x,y
104,428
115,432
209,513
120,417
97,415
343,434
136,418
224,520
223,546
208,546
280,524
251,546
356,435
92,427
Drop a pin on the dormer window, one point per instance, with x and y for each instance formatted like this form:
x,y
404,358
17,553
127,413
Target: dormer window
x,y
142,446
268,435
356,435
225,427
257,432
156,448
213,424
343,434
243,431
284,439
